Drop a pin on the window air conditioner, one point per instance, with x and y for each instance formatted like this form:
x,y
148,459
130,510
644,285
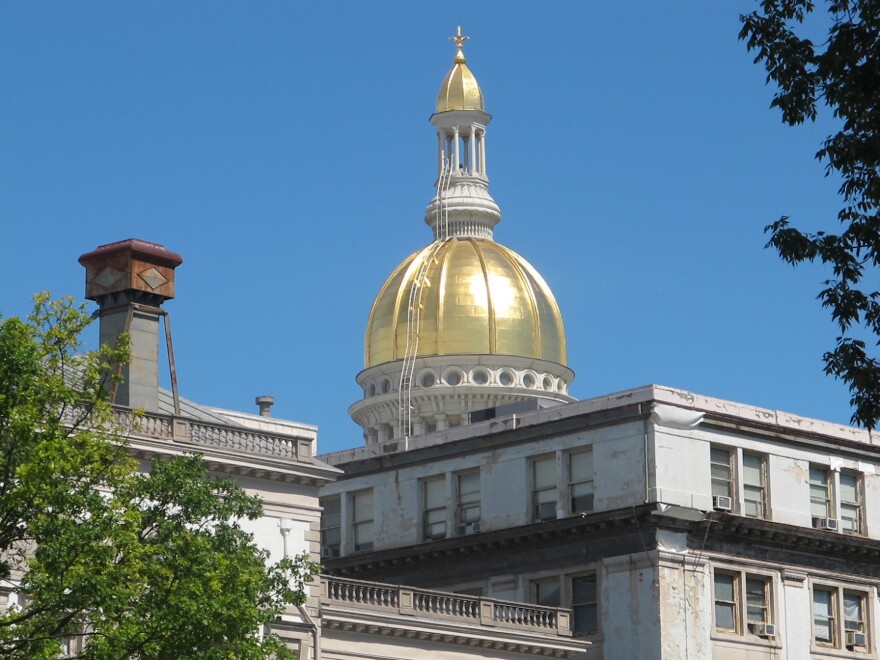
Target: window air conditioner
x,y
856,639
722,503
328,552
825,523
763,629
468,528
547,511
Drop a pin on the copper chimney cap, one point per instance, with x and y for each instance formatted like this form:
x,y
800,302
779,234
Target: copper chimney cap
x,y
132,264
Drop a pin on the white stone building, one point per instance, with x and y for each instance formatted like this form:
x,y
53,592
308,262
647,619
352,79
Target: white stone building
x,y
672,525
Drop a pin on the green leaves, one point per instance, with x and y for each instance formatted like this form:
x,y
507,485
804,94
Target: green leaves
x,y
147,564
843,74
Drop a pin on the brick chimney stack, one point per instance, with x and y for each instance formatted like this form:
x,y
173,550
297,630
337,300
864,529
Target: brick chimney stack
x,y
130,280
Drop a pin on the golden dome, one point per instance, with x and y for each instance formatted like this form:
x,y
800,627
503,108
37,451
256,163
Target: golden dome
x,y
478,297
459,90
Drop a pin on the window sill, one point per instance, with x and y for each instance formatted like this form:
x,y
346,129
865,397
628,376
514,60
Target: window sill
x,y
821,651
747,639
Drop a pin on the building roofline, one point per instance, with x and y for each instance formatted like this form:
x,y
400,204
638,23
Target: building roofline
x,y
605,409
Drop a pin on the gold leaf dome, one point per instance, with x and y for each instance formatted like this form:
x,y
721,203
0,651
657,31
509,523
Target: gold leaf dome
x,y
477,297
459,89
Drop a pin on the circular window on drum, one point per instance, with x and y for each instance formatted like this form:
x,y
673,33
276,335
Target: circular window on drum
x,y
479,376
427,379
386,386
506,378
548,383
371,389
453,377
529,381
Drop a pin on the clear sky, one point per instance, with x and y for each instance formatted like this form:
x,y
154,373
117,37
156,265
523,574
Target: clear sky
x,y
283,148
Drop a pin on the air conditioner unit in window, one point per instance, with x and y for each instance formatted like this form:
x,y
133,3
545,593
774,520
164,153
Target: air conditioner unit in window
x,y
547,511
722,503
825,523
472,528
329,552
856,639
763,629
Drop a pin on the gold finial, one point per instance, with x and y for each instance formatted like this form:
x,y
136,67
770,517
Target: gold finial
x,y
459,39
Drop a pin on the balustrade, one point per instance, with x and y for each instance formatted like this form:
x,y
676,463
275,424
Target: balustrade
x,y
436,604
211,435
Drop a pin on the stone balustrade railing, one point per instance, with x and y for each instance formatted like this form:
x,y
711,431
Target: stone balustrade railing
x,y
437,604
368,594
237,439
182,429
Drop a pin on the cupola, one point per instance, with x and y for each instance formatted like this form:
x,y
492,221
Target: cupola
x,y
465,324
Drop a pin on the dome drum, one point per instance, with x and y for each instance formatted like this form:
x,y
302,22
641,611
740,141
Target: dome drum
x,y
446,389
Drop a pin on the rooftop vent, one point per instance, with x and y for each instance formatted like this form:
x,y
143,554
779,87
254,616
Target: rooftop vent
x,y
265,404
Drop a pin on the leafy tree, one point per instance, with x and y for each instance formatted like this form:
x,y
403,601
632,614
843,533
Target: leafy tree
x,y
129,563
841,74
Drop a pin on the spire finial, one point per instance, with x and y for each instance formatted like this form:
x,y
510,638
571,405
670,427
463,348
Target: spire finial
x,y
459,39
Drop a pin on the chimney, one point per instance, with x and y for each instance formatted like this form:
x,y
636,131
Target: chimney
x,y
265,403
130,280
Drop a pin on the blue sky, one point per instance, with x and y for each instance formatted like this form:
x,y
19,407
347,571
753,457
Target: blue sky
x,y
283,148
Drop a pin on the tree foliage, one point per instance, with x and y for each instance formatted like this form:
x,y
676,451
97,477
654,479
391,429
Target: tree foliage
x,y
129,563
841,74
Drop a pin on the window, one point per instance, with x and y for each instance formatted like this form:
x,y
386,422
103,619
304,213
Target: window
x,y
546,592
754,494
850,503
725,602
853,616
741,603
584,605
544,488
468,505
331,526
722,473
836,500
824,625
739,482
362,519
820,494
580,481
757,601
577,592
840,617
434,516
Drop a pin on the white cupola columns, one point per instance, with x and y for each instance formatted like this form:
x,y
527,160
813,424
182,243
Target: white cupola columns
x,y
463,148
463,205
461,141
